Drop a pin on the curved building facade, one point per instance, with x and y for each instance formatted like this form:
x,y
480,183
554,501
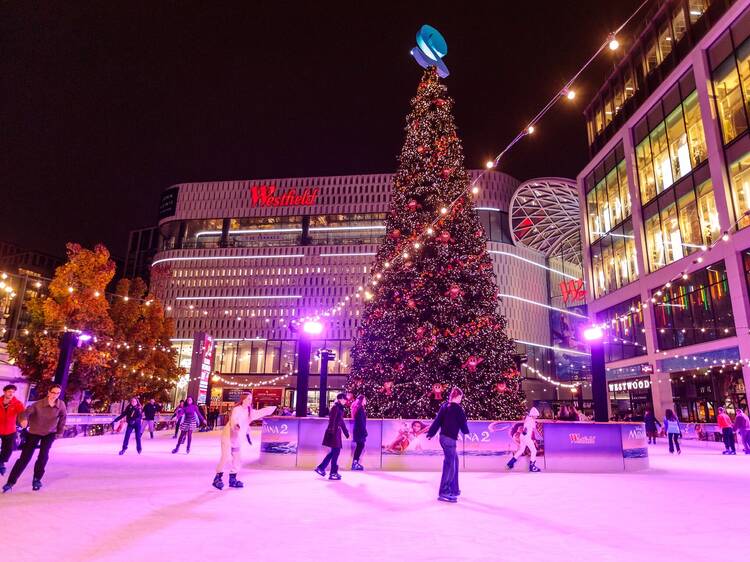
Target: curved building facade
x,y
240,259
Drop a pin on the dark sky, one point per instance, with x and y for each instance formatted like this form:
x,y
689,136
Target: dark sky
x,y
104,104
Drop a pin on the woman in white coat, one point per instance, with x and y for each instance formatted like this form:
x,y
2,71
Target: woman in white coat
x,y
527,441
234,431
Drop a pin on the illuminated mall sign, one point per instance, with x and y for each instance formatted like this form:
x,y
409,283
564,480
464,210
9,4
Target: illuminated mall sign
x,y
267,196
572,290
640,384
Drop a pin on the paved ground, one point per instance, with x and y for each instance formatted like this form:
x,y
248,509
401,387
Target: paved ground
x,y
97,505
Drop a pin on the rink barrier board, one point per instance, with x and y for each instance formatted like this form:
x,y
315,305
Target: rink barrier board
x,y
401,445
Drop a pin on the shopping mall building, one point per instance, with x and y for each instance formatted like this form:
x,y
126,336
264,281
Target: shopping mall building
x,y
664,206
239,260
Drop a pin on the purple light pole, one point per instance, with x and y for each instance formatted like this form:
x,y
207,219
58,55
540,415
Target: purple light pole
x,y
309,328
594,335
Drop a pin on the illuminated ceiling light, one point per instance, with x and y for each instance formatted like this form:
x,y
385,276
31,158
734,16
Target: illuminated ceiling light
x,y
614,44
570,94
97,294
406,255
71,289
475,190
530,130
490,164
725,236
387,264
430,231
444,210
126,299
417,245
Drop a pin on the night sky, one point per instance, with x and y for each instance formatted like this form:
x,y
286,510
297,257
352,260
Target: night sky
x,y
105,104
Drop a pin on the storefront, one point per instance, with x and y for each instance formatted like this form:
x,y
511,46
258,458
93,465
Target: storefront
x,y
630,392
699,393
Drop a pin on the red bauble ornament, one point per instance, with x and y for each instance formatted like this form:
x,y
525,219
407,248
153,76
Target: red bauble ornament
x,y
444,237
387,388
447,172
440,102
471,363
399,367
420,331
412,205
478,233
420,149
501,387
411,303
437,391
454,292
395,233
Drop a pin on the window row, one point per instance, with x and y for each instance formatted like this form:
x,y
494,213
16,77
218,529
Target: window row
x,y
614,260
680,222
672,148
626,335
608,203
694,310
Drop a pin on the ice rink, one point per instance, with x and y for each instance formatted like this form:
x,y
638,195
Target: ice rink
x,y
96,505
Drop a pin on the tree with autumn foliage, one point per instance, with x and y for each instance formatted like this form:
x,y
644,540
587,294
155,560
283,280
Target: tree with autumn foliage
x,y
129,352
431,317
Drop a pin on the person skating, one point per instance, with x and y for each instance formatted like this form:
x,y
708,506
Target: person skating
x,y
10,409
672,427
359,431
231,441
191,417
727,432
527,441
177,416
46,420
133,413
332,438
651,426
742,427
450,419
149,415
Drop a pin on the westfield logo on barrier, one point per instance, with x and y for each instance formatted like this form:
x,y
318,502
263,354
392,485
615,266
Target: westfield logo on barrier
x,y
266,196
578,439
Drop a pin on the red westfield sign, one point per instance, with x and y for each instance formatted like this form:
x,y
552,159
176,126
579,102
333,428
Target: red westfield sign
x,y
266,196
572,290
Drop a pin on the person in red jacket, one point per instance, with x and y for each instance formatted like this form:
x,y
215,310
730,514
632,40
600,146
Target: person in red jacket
x,y
727,432
10,408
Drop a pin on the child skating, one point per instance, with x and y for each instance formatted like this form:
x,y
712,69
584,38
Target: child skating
x,y
527,441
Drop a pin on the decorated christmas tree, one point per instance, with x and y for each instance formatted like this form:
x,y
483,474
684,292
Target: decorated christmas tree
x,y
430,319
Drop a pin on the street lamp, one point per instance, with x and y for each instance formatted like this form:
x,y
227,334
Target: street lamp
x,y
594,335
325,356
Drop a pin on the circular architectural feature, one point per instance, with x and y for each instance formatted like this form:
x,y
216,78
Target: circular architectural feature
x,y
545,216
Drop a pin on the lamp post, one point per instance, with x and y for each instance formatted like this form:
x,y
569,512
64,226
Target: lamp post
x,y
306,330
593,335
325,356
68,342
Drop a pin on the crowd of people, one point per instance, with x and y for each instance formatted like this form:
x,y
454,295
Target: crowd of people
x,y
44,420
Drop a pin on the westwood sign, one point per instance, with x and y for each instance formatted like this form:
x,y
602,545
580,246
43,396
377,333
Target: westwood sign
x,y
267,196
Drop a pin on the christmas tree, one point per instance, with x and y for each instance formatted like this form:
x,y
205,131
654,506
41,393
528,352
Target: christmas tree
x,y
430,320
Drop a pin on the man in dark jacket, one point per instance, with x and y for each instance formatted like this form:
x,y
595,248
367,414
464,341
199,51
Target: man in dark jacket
x,y
149,415
332,438
450,420
46,420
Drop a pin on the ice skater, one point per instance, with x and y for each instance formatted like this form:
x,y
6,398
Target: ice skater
x,y
672,427
10,409
177,416
231,441
526,441
727,432
450,419
191,418
149,416
742,427
133,413
359,431
651,426
332,438
46,419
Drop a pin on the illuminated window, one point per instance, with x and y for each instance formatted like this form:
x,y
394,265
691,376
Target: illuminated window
x,y
694,129
678,144
729,100
709,217
665,41
645,170
679,27
696,9
739,173
654,240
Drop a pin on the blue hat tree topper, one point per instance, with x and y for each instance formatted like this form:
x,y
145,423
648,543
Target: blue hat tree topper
x,y
430,50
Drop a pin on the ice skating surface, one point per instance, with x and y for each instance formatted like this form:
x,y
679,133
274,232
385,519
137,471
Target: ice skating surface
x,y
98,506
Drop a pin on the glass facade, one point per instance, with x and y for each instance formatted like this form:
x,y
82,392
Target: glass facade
x,y
739,181
613,255
694,310
681,221
627,334
670,141
731,84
